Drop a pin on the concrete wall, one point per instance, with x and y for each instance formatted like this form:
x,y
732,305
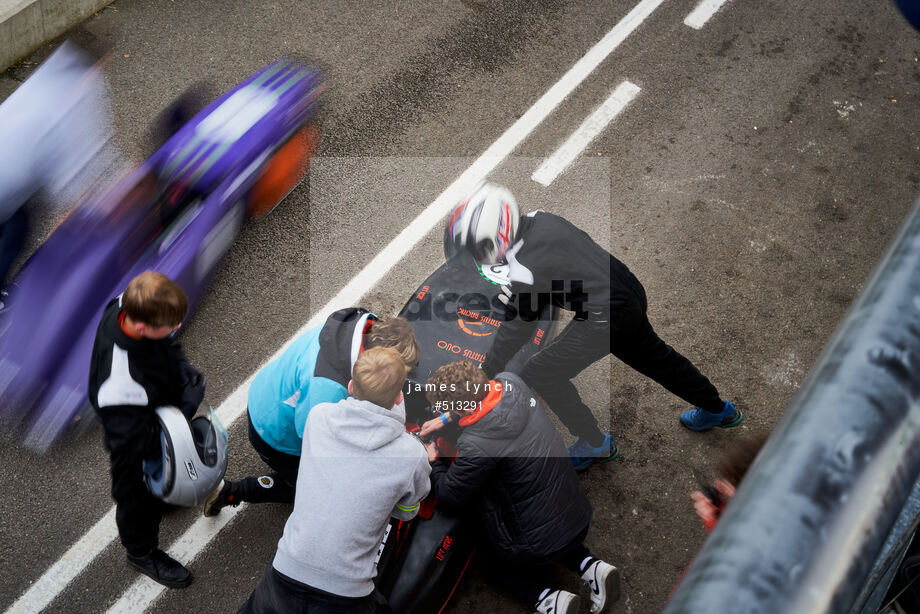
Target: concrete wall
x,y
25,25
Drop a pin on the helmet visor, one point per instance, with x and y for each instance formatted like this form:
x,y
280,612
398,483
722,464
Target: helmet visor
x,y
484,252
453,231
451,244
219,427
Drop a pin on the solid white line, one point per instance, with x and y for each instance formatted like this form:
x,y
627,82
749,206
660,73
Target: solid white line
x,y
703,11
59,575
54,580
589,129
144,590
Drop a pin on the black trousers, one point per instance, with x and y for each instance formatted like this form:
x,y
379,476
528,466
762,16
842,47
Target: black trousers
x,y
137,511
629,336
276,487
277,593
525,580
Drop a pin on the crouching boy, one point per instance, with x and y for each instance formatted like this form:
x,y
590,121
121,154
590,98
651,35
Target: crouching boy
x,y
513,465
315,369
358,467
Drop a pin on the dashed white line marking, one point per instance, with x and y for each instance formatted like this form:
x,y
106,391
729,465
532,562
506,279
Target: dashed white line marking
x,y
587,132
703,11
59,575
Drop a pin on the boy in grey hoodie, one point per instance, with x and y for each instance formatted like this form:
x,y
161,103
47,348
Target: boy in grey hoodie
x,y
358,467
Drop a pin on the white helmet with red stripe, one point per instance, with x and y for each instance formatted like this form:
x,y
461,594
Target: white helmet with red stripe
x,y
485,224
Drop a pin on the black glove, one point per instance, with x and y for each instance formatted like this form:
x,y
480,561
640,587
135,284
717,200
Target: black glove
x,y
192,389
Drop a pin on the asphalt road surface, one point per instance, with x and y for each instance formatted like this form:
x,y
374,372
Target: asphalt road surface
x,y
758,169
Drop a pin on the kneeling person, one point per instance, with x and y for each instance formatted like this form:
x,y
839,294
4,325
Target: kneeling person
x,y
358,467
514,468
315,369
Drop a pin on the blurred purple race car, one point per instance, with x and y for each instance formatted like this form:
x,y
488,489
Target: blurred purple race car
x,y
177,213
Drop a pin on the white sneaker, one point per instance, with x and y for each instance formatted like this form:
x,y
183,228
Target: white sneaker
x,y
559,602
603,579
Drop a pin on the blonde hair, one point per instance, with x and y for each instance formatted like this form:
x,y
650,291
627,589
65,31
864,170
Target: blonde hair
x,y
378,376
460,382
155,300
394,333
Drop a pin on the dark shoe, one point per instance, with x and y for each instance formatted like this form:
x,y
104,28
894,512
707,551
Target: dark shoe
x,y
221,497
162,568
701,420
583,454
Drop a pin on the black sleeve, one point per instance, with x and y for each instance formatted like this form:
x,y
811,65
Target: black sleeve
x,y
191,381
511,336
461,484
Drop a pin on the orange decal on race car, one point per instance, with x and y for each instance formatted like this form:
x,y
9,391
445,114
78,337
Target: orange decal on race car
x,y
463,327
453,348
538,337
450,347
444,547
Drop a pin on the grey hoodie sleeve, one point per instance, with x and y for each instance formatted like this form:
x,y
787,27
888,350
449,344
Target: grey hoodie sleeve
x,y
418,488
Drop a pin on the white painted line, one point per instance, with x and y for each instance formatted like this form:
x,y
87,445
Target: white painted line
x,y
59,575
144,590
589,129
703,11
56,578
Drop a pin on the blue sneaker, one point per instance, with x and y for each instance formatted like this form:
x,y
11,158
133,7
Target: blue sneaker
x,y
702,420
583,454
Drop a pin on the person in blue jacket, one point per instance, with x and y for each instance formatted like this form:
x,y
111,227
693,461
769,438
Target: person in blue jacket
x,y
315,369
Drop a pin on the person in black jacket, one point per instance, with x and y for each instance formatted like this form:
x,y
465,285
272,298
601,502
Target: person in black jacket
x,y
543,257
512,468
136,367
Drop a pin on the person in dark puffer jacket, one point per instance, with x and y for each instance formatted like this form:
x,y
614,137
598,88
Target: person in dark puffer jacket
x,y
513,468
